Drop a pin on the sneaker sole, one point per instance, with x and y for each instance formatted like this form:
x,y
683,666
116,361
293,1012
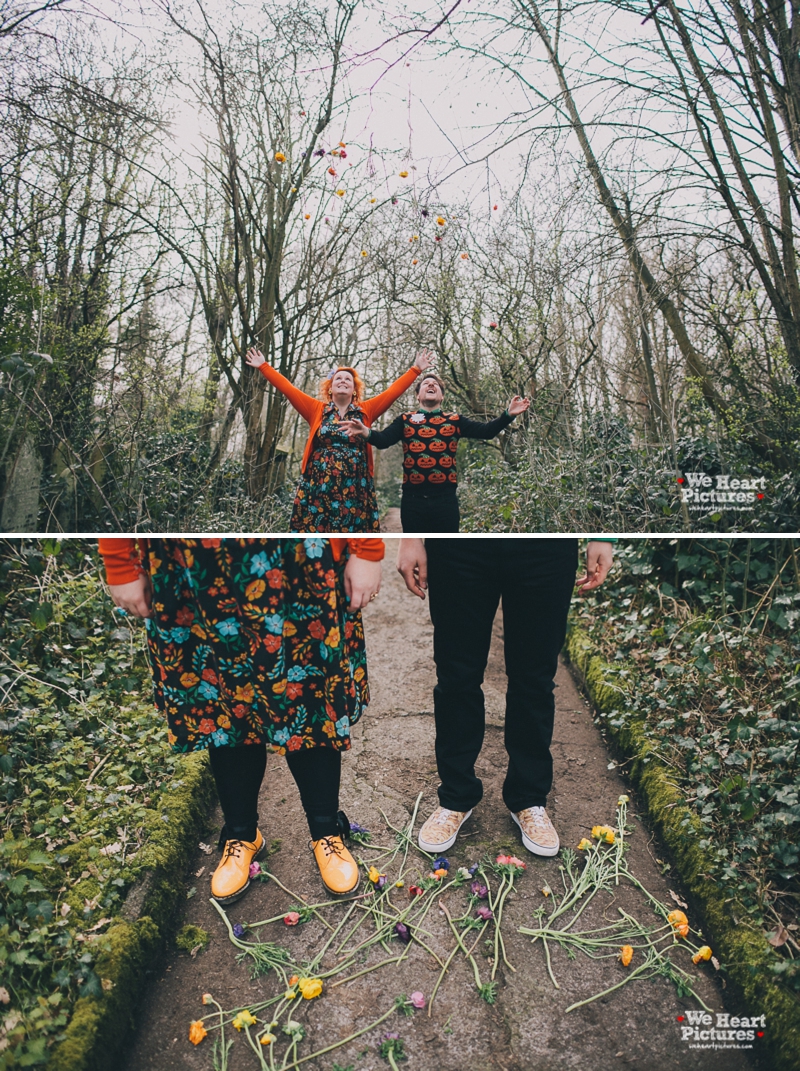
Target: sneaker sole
x,y
532,846
240,893
443,845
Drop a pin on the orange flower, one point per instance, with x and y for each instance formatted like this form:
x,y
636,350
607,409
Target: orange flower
x,y
332,171
280,157
702,953
441,220
307,215
403,174
626,955
465,256
340,193
679,923
197,1031
415,262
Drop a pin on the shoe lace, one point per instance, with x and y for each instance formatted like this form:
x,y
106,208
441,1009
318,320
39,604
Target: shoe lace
x,y
233,849
444,817
539,817
332,845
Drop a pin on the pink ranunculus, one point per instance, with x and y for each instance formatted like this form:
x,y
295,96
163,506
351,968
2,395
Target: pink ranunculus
x,y
255,870
517,862
291,919
503,859
418,999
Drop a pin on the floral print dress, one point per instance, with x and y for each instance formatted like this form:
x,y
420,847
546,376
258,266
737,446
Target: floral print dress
x,y
251,643
336,493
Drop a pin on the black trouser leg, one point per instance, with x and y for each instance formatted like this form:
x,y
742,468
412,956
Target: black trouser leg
x,y
437,512
317,774
466,578
238,773
464,591
537,583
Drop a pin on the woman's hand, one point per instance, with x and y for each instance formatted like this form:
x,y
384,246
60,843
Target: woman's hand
x,y
134,598
518,405
255,358
599,557
362,581
354,429
424,360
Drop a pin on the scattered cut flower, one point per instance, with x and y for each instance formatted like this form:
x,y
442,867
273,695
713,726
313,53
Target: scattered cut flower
x,y
197,1031
626,955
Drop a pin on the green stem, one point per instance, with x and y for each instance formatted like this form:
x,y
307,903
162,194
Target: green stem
x,y
338,1044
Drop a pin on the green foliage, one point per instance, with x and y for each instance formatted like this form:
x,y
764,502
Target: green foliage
x,y
84,768
702,642
189,938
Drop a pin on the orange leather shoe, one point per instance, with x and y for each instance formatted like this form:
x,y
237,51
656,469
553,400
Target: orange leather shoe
x,y
231,879
337,867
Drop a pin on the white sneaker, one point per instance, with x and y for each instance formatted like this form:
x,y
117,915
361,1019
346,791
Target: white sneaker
x,y
538,833
440,831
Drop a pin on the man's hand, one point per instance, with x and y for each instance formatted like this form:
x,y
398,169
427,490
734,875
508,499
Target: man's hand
x,y
255,358
424,360
134,598
599,557
362,582
354,429
412,565
518,405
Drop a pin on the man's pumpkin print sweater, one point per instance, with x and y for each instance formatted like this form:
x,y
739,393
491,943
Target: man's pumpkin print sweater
x,y
430,441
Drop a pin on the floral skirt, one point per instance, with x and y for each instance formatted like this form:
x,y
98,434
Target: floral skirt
x,y
336,493
251,643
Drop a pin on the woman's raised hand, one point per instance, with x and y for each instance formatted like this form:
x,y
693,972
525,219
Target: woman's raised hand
x,y
518,405
354,429
424,360
255,358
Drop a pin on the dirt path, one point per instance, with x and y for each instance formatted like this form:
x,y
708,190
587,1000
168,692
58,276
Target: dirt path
x,y
390,763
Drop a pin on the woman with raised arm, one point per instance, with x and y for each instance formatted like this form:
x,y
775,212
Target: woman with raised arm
x,y
336,492
257,645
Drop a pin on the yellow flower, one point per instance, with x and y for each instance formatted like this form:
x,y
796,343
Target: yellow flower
x,y
626,955
207,998
403,174
702,953
310,987
621,800
584,845
189,680
255,589
267,1039
280,157
374,875
398,885
243,1019
679,923
546,890
364,253
289,995
441,220
197,1031
372,200
603,833
340,193
334,638
415,262
307,215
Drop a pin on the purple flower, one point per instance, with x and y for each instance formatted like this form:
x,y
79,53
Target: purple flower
x,y
319,152
473,868
255,870
479,890
441,863
425,213
238,930
484,913
391,1037
403,932
381,882
356,828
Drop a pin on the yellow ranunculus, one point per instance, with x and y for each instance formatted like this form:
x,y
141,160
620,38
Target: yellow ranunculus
x,y
364,253
374,875
702,953
243,1019
197,1031
340,193
621,800
605,833
310,987
679,923
626,955
403,174
584,845
267,1039
441,220
289,995
280,157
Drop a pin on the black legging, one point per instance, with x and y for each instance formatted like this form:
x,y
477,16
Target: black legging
x,y
239,771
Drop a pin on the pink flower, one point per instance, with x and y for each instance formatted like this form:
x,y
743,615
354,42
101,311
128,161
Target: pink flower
x,y
418,999
503,859
291,919
255,870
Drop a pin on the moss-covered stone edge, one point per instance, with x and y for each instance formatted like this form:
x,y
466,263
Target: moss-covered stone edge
x,y
741,947
100,1026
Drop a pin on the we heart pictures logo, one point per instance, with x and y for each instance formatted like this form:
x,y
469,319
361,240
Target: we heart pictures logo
x,y
720,1030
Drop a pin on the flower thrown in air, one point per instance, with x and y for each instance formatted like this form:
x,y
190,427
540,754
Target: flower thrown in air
x,y
319,152
403,932
291,918
484,913
403,174
493,326
279,156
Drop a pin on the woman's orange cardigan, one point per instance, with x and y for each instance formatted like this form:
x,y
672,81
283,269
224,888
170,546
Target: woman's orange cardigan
x,y
123,561
311,409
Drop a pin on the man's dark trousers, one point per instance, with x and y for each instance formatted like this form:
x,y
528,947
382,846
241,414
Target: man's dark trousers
x,y
466,580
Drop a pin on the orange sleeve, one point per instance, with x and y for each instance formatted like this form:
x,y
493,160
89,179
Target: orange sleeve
x,y
122,560
361,546
305,405
381,402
